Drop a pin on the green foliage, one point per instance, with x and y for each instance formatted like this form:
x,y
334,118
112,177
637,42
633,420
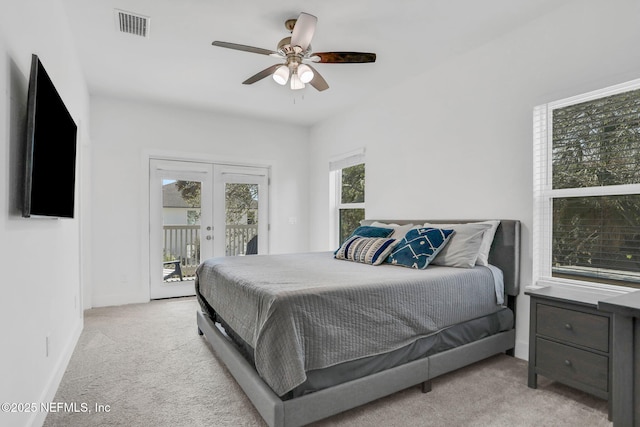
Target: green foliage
x,y
349,221
352,191
353,184
168,256
190,191
241,200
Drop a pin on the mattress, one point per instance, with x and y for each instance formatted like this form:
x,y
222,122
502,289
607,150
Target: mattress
x,y
305,312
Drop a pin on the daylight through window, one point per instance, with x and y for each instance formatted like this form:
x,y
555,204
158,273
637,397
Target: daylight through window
x,y
351,207
348,174
587,188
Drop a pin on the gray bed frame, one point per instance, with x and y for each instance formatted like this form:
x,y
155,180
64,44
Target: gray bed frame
x,y
505,254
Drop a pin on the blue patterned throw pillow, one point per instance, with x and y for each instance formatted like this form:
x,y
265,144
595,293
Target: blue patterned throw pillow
x,y
367,250
419,246
369,231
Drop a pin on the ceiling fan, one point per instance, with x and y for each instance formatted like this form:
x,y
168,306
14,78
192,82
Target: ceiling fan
x,y
297,55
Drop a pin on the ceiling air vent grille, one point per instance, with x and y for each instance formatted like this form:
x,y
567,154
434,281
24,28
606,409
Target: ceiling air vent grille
x,y
132,23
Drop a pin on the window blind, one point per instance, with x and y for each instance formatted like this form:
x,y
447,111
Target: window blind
x,y
597,142
541,206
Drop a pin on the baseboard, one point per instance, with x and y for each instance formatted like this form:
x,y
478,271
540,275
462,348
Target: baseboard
x,y
49,393
522,350
118,299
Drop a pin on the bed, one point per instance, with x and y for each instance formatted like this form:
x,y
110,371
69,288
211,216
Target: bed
x,y
307,336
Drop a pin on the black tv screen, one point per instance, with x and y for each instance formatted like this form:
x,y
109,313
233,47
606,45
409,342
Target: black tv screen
x,y
50,166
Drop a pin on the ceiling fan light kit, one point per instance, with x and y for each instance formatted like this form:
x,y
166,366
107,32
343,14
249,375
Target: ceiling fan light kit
x,y
281,75
305,73
296,52
296,83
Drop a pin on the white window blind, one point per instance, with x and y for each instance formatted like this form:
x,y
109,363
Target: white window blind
x,y
587,188
352,158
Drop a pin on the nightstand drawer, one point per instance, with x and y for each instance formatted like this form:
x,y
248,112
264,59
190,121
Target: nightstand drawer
x,y
585,329
570,363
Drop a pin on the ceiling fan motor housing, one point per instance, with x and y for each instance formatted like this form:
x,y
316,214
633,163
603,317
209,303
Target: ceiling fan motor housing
x,y
286,48
293,54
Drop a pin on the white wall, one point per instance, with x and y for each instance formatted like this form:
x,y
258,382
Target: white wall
x,y
124,133
40,291
457,142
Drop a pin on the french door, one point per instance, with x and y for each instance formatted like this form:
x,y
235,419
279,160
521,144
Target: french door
x,y
241,210
181,225
200,210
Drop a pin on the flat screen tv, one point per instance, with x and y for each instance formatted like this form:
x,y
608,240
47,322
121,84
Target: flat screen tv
x,y
50,160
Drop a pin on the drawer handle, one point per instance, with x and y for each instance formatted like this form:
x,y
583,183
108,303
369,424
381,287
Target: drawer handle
x,y
568,326
567,362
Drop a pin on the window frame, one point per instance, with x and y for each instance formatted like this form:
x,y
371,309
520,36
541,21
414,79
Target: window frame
x,y
336,165
544,193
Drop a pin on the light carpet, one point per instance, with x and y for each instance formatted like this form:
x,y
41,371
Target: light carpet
x,y
145,365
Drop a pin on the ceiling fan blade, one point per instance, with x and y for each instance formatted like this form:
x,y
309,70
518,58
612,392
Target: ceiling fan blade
x,y
343,57
318,81
303,31
244,48
261,75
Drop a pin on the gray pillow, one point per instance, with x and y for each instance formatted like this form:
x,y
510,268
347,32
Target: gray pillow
x,y
463,247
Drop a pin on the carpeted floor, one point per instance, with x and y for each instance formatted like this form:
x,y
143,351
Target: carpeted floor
x,y
145,365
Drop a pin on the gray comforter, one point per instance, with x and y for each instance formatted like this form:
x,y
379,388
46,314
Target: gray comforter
x,y
309,311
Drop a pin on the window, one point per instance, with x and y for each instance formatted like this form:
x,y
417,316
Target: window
x,y
351,201
348,176
587,188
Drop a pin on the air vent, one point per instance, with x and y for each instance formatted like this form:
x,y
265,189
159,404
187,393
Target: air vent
x,y
132,23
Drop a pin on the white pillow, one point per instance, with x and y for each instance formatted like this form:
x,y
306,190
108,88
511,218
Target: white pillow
x,y
463,247
398,230
487,239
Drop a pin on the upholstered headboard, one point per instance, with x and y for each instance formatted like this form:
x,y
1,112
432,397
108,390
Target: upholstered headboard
x,y
505,250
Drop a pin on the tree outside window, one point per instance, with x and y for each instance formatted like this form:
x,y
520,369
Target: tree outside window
x,y
593,193
351,199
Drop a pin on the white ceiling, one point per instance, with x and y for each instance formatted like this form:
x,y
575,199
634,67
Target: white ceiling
x,y
177,65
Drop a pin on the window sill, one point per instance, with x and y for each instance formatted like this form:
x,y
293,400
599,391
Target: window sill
x,y
600,287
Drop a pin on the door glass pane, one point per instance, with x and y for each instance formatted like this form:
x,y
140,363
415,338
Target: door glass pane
x,y
181,229
241,219
352,184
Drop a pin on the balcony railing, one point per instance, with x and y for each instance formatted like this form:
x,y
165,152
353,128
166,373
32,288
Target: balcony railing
x,y
237,236
182,243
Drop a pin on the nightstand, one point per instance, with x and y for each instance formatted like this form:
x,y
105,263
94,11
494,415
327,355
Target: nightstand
x,y
570,339
625,375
